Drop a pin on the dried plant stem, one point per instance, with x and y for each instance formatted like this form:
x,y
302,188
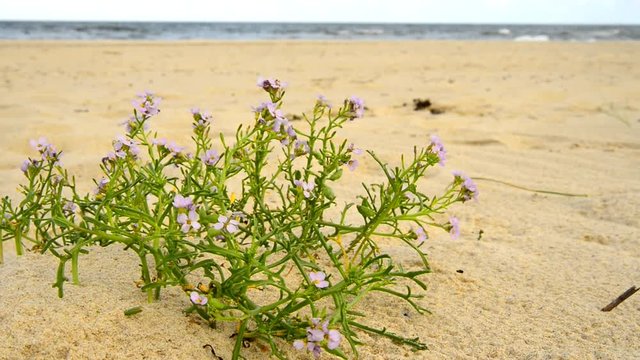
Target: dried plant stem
x,y
624,296
529,189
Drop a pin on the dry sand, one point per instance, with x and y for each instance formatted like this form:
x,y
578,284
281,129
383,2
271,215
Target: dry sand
x,y
554,116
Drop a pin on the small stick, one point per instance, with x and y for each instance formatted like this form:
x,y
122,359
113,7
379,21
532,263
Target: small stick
x,y
632,290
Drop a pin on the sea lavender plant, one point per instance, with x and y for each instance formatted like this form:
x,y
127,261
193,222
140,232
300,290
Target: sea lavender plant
x,y
253,222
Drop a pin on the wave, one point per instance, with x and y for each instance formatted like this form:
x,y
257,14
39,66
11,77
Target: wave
x,y
540,38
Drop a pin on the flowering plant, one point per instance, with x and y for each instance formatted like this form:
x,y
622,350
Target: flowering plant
x,y
249,229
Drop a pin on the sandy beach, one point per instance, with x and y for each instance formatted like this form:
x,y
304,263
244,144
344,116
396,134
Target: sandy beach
x,y
553,116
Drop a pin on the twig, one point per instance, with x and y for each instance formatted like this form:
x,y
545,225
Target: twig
x,y
528,189
625,295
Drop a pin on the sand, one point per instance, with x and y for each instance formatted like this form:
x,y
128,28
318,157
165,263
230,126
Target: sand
x,y
553,116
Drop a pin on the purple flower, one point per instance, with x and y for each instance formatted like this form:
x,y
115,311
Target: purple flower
x,y
322,101
47,150
198,299
421,235
454,227
300,147
201,119
25,166
40,145
181,202
307,187
280,123
316,335
352,164
355,107
469,189
315,349
124,146
354,150
189,221
169,146
133,124
210,157
102,186
270,84
28,164
272,109
226,223
334,339
298,344
437,148
318,279
70,207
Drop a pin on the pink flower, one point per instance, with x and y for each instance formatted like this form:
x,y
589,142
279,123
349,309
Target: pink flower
x,y
307,187
225,223
318,279
352,164
189,221
181,202
210,157
334,339
454,229
198,299
421,235
355,106
437,148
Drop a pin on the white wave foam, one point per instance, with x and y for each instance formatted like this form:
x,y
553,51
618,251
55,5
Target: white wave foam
x,y
504,31
532,38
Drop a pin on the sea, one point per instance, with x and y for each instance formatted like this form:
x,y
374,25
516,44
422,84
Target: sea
x,y
10,30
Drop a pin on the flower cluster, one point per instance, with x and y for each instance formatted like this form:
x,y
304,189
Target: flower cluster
x,y
319,335
355,107
123,148
146,105
166,147
469,189
437,149
274,87
47,151
200,119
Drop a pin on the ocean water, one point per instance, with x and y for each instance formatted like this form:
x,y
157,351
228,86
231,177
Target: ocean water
x,y
268,31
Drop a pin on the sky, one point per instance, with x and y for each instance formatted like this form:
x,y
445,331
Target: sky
x,y
359,11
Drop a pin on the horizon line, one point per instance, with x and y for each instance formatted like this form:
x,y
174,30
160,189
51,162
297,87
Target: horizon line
x,y
319,22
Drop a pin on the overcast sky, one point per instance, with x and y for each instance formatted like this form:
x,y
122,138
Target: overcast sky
x,y
403,11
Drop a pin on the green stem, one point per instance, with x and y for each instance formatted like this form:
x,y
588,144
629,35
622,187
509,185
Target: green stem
x,y
18,237
239,338
146,277
74,268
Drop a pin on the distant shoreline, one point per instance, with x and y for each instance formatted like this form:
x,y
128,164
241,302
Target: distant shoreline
x,y
163,31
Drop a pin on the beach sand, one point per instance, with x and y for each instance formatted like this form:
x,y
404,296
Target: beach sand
x,y
554,116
